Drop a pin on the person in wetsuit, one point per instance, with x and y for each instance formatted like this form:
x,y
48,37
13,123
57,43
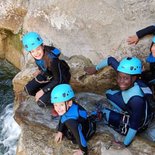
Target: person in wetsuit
x,y
149,75
130,112
52,71
74,122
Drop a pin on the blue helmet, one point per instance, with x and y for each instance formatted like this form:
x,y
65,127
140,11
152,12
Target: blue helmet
x,y
153,39
130,65
31,41
62,93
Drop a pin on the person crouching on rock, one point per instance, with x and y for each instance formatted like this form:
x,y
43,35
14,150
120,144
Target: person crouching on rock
x,y
74,123
130,112
52,71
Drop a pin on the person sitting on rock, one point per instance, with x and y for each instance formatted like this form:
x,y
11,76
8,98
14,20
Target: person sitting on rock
x,y
74,122
149,75
52,71
130,112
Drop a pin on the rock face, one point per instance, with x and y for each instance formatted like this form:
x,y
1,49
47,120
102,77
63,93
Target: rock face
x,y
38,129
86,32
93,29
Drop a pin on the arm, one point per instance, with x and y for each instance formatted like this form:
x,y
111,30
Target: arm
x,y
59,134
130,136
110,61
148,30
140,34
135,117
61,126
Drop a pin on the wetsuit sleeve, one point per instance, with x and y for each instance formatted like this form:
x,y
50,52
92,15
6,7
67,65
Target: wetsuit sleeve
x,y
61,127
148,30
56,76
137,115
129,137
110,61
76,130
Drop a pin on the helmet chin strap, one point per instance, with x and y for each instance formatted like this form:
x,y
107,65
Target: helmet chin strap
x,y
66,106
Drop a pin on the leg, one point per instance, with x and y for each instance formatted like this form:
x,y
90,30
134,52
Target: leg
x,y
34,85
44,100
115,99
117,121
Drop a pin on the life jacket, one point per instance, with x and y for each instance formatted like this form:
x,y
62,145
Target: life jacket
x,y
53,53
150,58
137,91
134,91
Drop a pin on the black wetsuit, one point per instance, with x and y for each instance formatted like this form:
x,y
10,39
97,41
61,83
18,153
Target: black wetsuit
x,y
76,126
149,75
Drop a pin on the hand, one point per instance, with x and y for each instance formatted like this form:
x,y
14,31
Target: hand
x,y
118,145
78,152
58,137
39,94
36,73
133,39
90,70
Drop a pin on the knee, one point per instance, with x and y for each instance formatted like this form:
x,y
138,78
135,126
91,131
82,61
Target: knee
x,y
29,91
41,104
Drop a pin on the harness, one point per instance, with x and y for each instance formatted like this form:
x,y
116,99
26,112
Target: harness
x,y
127,95
125,123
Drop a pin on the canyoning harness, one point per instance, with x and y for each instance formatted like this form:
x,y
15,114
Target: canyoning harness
x,y
125,122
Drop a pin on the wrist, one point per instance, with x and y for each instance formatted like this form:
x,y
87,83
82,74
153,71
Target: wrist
x,y
45,90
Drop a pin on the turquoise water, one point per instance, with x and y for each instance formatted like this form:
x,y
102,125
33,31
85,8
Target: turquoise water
x,y
9,129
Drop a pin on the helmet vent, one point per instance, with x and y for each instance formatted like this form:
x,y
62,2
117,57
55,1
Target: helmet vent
x,y
132,68
26,46
129,58
38,39
65,94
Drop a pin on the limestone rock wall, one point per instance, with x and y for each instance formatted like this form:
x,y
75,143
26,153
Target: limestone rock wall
x,y
92,28
88,30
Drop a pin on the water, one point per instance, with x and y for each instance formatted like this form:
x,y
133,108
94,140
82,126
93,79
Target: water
x,y
9,129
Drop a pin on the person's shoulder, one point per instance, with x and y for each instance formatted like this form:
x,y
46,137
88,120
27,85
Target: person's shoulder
x,y
78,105
48,48
132,92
